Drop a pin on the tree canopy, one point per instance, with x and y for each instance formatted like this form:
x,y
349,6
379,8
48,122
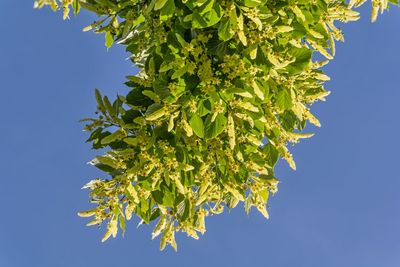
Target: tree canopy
x,y
223,88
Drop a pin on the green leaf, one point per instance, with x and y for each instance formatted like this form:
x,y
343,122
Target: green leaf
x,y
283,100
99,100
197,125
283,29
236,193
76,6
215,128
136,98
206,6
105,161
241,92
203,107
131,141
115,136
164,196
207,19
247,106
150,94
225,30
132,194
257,90
109,107
252,3
122,224
109,39
297,11
198,21
168,10
94,25
155,111
181,41
303,60
271,154
179,72
159,4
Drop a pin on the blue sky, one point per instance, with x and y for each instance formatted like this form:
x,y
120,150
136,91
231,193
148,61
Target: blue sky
x,y
340,208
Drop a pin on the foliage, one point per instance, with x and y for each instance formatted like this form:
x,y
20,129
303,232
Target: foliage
x,y
223,88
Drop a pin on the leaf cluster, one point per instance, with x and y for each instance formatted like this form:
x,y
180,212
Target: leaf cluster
x,y
224,88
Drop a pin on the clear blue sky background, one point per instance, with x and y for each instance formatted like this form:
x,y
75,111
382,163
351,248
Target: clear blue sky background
x,y
340,208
